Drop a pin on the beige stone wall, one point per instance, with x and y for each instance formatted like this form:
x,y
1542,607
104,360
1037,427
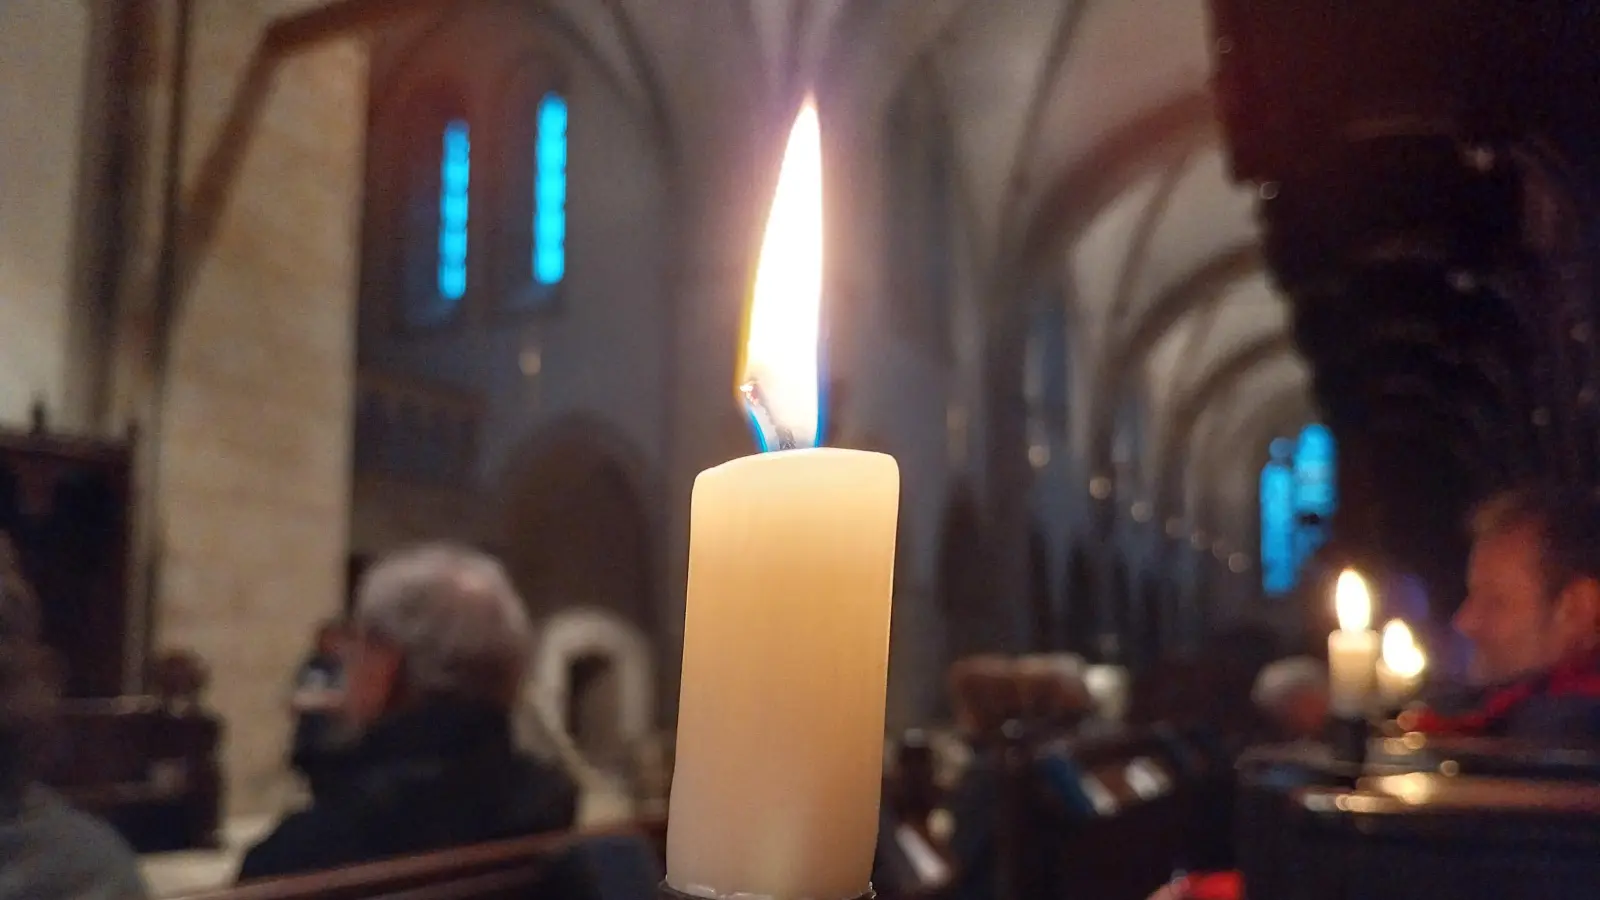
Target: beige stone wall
x,y
253,481
42,58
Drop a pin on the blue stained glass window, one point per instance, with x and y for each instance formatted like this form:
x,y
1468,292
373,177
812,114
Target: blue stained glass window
x,y
1315,490
1277,521
1299,493
550,192
455,176
1314,471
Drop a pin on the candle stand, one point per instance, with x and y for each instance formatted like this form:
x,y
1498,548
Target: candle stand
x,y
1348,739
668,892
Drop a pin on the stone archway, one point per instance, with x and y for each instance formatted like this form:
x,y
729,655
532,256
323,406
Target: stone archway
x,y
575,530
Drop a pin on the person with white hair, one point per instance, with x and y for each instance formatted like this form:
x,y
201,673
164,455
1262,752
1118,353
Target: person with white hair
x,y
439,644
1293,694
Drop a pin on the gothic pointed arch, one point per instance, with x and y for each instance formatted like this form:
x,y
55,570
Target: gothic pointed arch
x,y
465,207
575,530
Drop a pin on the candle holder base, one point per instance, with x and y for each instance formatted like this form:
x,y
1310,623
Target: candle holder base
x,y
1348,738
667,892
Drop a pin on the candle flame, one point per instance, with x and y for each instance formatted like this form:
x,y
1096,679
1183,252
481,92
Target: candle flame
x,y
778,382
1400,651
1352,602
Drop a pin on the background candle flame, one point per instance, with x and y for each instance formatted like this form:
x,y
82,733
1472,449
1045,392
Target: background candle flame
x,y
1352,603
1400,651
778,381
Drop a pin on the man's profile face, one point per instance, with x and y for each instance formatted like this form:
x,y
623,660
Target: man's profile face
x,y
1515,628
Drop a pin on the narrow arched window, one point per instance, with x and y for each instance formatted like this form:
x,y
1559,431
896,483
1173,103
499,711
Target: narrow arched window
x,y
420,259
1278,570
455,179
1299,494
550,192
1316,493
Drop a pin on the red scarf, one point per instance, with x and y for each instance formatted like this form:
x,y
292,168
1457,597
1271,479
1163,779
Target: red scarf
x,y
1577,677
1213,886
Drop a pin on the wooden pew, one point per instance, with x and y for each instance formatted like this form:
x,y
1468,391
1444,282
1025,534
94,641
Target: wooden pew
x,y
1108,817
518,868
1422,834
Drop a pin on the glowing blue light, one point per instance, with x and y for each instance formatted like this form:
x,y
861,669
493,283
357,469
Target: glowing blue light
x,y
1299,494
550,192
455,176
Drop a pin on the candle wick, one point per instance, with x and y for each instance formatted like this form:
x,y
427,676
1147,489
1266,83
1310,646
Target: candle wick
x,y
772,434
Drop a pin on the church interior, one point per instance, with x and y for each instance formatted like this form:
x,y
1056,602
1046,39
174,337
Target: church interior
x,y
1171,315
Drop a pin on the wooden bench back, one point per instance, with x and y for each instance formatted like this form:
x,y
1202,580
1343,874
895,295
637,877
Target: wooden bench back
x,y
503,869
1145,800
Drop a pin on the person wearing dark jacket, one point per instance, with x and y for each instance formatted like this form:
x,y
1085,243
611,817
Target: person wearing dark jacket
x,y
439,646
48,850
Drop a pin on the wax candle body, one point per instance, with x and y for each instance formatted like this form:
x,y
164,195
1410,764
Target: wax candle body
x,y
1352,667
785,664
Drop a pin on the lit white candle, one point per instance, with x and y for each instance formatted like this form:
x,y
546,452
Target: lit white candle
x,y
1352,650
1401,665
786,633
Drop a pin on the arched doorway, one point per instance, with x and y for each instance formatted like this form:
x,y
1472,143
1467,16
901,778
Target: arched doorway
x,y
576,533
575,538
593,709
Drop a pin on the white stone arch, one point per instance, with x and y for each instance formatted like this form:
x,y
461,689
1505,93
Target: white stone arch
x,y
586,631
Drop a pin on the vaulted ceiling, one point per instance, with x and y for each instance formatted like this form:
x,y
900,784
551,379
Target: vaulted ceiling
x,y
1088,155
1088,158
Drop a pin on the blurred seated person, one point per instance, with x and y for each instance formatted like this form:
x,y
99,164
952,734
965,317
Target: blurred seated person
x,y
985,694
1532,614
1292,694
48,851
1052,694
318,695
437,653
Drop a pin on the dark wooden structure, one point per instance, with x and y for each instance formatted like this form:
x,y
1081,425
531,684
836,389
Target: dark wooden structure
x,y
1429,183
1309,832
147,765
64,503
148,769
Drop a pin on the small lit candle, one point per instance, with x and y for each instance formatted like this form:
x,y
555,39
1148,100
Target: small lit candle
x,y
1400,668
786,630
1352,650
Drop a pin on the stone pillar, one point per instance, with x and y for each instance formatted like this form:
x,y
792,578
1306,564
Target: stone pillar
x,y
251,465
